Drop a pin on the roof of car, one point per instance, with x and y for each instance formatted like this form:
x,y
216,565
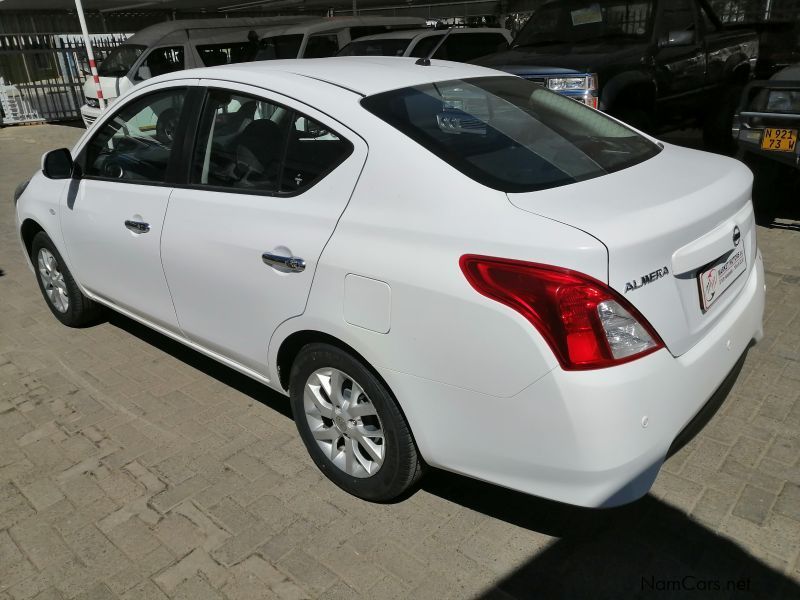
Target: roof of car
x,y
365,75
154,33
407,34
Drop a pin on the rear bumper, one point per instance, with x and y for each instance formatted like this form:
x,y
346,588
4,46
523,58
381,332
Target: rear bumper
x,y
590,438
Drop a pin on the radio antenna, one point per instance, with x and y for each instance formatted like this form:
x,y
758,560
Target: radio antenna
x,y
426,61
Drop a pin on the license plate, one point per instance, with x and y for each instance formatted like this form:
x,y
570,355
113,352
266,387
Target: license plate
x,y
779,140
719,277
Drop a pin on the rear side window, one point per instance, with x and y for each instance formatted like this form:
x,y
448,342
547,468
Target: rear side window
x,y
279,46
425,45
382,47
136,143
251,144
322,45
214,55
511,134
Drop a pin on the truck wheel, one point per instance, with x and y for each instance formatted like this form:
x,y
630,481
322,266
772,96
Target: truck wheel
x,y
717,123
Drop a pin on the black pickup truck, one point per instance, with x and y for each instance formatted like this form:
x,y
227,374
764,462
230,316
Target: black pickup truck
x,y
651,63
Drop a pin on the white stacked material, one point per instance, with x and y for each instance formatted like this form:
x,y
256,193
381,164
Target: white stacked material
x,y
16,109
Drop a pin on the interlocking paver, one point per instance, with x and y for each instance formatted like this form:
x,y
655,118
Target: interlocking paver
x,y
132,468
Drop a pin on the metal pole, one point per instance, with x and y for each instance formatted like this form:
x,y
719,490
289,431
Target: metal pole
x,y
90,54
355,7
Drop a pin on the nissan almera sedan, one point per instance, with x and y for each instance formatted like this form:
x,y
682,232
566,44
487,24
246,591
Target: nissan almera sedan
x,y
439,264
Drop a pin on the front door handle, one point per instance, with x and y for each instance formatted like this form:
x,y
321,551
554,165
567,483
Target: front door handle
x,y
290,264
137,226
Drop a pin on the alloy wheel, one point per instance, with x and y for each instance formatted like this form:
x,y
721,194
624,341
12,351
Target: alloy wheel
x,y
344,422
53,280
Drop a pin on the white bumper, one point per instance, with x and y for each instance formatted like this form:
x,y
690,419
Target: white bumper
x,y
590,438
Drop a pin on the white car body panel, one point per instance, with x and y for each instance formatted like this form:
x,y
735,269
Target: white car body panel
x,y
237,229
480,387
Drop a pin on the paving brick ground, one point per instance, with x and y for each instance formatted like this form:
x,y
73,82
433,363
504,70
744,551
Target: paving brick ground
x,y
131,467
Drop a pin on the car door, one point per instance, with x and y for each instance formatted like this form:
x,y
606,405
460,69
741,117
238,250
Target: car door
x,y
681,57
268,180
112,216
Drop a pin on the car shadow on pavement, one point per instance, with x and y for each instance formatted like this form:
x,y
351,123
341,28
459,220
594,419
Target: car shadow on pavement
x,y
209,366
640,550
644,549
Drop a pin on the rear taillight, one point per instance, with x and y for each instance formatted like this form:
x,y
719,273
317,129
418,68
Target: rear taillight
x,y
586,324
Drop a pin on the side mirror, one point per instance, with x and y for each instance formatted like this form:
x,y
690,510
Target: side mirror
x,y
57,164
677,38
143,73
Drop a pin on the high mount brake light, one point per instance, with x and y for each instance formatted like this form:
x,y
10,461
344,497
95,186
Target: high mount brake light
x,y
586,323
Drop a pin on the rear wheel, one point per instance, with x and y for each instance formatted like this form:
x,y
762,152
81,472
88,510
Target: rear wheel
x,y
62,295
351,425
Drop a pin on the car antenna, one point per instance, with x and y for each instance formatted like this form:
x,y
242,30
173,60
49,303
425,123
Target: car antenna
x,y
426,61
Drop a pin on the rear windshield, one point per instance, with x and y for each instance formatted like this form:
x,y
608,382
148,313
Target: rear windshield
x,y
120,61
279,46
511,134
384,47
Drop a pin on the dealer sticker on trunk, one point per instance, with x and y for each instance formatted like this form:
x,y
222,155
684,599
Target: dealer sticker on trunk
x,y
714,281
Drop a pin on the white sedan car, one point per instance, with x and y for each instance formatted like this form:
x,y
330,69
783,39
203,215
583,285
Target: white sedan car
x,y
440,264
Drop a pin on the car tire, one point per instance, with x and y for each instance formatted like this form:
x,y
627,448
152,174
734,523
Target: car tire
x,y
62,295
351,425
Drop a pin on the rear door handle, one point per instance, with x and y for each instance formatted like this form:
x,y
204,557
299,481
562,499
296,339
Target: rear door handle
x,y
137,226
291,264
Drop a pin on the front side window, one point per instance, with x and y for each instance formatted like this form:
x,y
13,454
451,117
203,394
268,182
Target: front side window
x,y
120,61
426,45
136,143
251,144
511,134
161,61
380,47
582,22
678,15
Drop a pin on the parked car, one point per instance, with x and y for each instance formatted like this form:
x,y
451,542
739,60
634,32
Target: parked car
x,y
766,127
175,46
324,37
440,265
650,63
462,45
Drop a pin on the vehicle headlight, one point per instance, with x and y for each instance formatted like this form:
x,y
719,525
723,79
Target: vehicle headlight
x,y
563,84
93,102
783,101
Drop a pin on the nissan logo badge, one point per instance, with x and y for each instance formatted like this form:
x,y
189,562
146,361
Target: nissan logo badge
x,y
737,235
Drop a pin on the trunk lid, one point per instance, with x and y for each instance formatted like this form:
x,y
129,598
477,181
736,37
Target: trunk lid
x,y
663,221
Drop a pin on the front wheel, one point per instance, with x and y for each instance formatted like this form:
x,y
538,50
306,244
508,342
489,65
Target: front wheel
x,y
62,295
351,425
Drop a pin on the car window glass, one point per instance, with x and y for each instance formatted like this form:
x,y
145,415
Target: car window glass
x,y
241,143
213,55
678,15
707,22
320,46
511,134
425,45
135,144
161,61
279,46
381,47
313,151
466,46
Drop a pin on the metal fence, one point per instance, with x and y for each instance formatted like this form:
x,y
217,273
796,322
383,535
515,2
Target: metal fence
x,y
48,71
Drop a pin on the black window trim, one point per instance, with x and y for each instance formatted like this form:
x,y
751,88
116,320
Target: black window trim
x,y
184,181
176,156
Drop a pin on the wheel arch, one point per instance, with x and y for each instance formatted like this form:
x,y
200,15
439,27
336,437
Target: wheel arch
x,y
28,230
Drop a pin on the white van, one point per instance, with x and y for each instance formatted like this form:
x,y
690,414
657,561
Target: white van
x,y
174,46
461,45
324,37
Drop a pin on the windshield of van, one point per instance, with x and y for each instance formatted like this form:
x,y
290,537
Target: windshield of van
x,y
588,21
279,46
383,47
120,61
511,134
